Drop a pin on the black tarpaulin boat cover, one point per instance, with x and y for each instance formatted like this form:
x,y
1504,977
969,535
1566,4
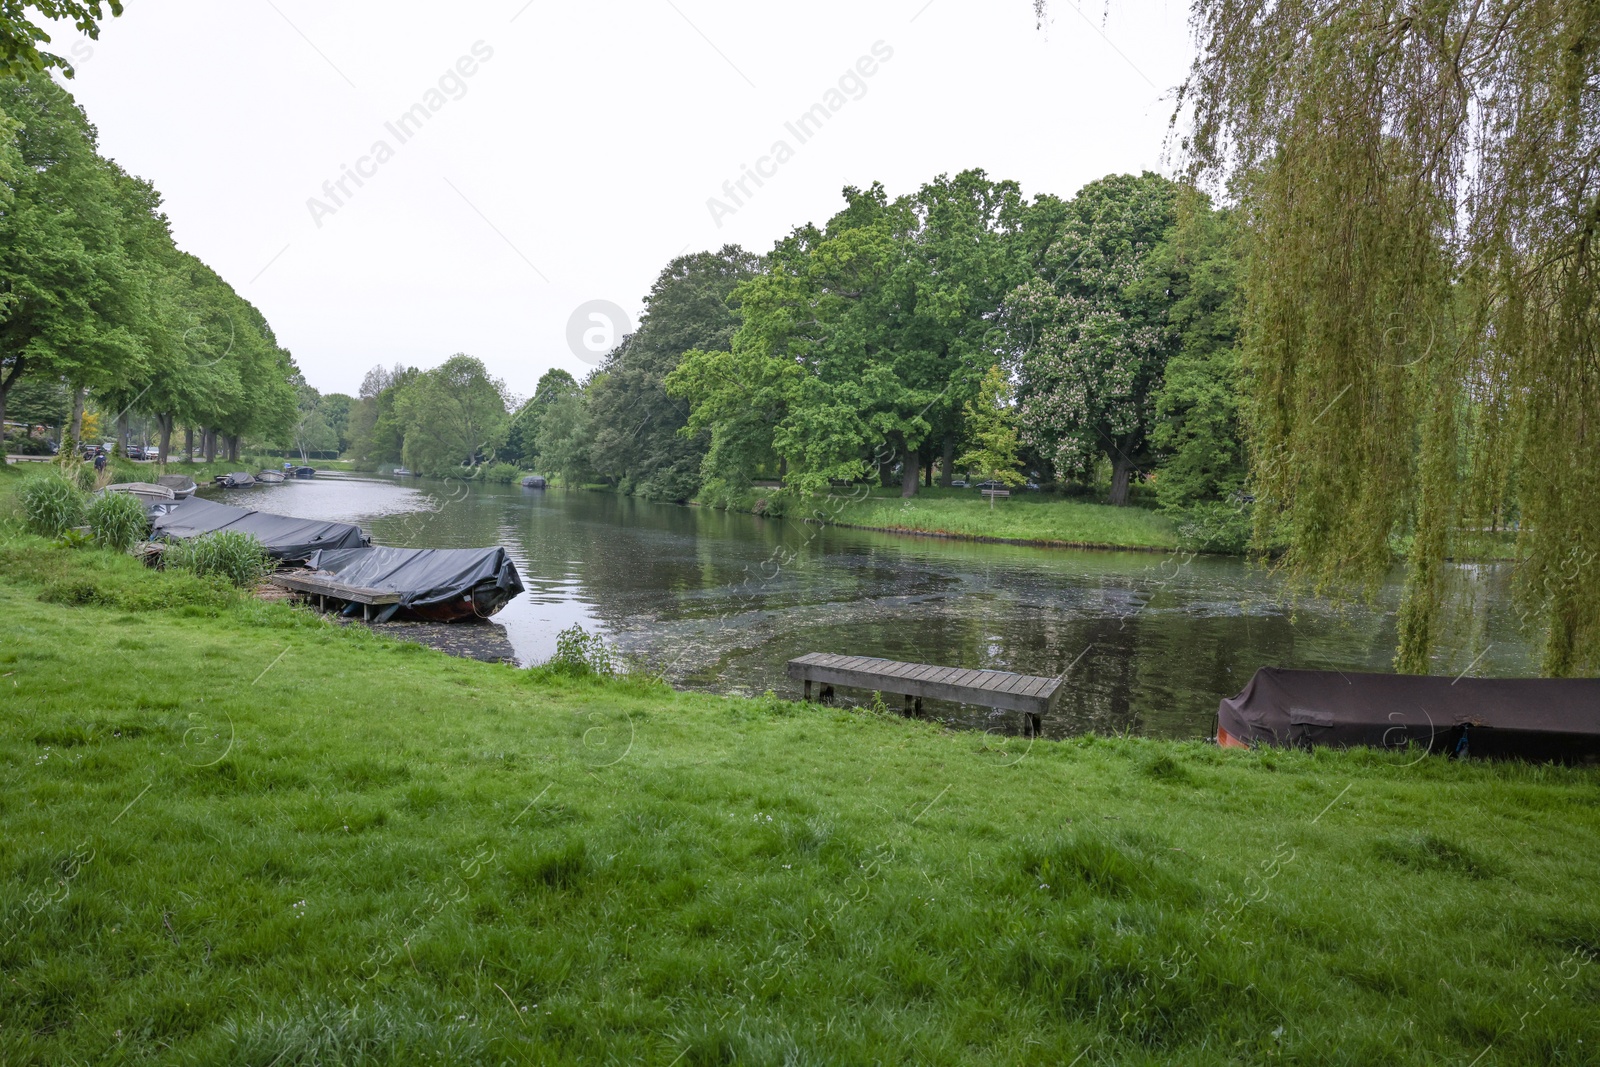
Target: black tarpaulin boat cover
x,y
283,536
1530,718
426,577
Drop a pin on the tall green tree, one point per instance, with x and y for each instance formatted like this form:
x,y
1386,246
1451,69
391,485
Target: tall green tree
x,y
1197,429
71,306
1093,338
637,426
453,416
992,431
522,435
564,438
1422,323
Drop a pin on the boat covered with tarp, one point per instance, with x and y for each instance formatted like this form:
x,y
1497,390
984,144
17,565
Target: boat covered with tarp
x,y
236,480
441,584
284,537
301,472
533,481
1540,719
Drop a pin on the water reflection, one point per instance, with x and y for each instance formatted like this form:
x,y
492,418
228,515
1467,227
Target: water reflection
x,y
1148,642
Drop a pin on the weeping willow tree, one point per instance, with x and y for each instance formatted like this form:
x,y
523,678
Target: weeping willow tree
x,y
1422,186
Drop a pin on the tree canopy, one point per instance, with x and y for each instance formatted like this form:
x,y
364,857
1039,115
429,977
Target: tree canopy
x,y
21,35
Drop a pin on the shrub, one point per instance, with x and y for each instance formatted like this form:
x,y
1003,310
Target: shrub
x,y
238,557
499,473
579,652
52,504
1215,526
118,521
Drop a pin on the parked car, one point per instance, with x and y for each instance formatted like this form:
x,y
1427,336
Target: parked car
x,y
990,485
958,483
1032,487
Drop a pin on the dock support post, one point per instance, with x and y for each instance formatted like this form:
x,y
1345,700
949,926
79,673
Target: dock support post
x,y
913,707
1030,724
808,690
826,696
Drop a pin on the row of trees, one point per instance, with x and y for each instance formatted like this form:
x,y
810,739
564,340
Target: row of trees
x,y
905,336
96,299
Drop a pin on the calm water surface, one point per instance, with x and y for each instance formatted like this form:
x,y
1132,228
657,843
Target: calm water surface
x,y
1150,642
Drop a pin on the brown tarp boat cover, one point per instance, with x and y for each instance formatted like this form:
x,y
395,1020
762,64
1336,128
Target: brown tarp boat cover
x,y
1528,718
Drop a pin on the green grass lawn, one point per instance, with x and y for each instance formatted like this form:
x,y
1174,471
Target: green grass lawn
x,y
1021,517
233,833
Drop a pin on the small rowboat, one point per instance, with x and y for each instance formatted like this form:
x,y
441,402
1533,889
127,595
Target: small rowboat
x,y
236,480
149,492
270,477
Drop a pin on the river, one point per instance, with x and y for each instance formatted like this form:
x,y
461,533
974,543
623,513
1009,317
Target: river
x,y
1149,642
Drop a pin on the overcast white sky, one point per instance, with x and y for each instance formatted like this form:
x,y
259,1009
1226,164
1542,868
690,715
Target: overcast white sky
x,y
579,157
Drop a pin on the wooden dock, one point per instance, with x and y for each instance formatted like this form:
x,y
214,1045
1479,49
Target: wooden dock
x,y
1030,694
323,590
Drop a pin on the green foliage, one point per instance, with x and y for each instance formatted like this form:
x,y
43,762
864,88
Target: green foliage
x,y
860,341
51,504
236,557
118,520
992,430
1214,526
499,473
1093,332
1197,429
522,433
20,36
564,438
580,653
453,416
638,427
1421,308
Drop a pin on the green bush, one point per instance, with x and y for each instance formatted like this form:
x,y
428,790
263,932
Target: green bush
x,y
238,557
1215,526
579,653
51,504
499,473
118,520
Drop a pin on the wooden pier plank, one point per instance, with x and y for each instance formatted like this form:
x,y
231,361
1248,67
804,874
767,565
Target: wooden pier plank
x,y
1007,690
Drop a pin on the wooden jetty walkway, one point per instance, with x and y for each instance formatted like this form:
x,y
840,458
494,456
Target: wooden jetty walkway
x,y
321,588
1030,694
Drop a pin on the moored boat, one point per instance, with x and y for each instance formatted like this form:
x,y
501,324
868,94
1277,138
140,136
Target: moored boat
x,y
236,480
303,472
270,477
401,472
1536,719
149,492
533,481
182,485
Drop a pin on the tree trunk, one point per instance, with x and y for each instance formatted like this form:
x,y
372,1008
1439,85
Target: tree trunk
x,y
1121,468
886,473
910,469
233,448
77,417
164,444
188,444
947,461
783,470
122,433
208,443
6,382
927,474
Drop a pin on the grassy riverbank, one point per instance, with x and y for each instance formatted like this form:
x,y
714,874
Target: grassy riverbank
x,y
1027,517
247,836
